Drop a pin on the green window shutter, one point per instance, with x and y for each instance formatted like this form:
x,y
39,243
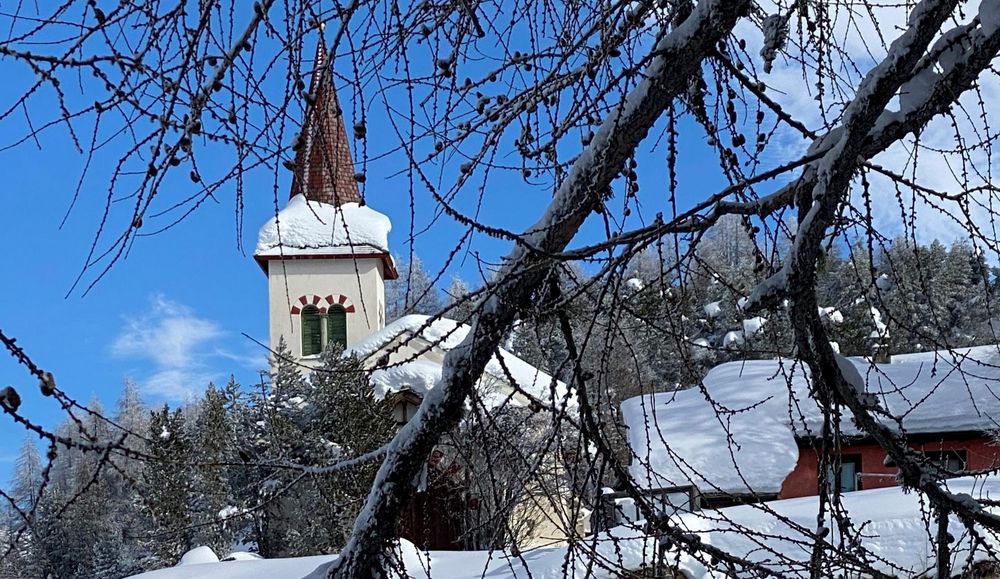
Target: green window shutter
x,y
312,331
336,326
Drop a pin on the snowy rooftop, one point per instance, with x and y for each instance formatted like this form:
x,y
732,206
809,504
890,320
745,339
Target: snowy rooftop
x,y
892,523
418,344
758,408
313,228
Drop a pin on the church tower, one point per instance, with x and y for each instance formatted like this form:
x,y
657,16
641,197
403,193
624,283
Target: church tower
x,y
326,254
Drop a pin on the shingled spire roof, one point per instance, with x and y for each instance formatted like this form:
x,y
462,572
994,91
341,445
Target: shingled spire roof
x,y
324,171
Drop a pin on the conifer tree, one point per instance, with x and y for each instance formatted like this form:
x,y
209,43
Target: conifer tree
x,y
413,292
241,475
460,306
27,475
26,559
277,437
347,420
167,491
132,415
213,451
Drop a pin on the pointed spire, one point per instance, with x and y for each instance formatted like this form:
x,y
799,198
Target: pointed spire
x,y
324,170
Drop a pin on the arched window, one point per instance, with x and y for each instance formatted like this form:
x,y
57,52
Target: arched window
x,y
312,331
336,326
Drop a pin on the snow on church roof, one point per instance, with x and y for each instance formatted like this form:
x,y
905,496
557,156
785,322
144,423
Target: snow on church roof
x,y
758,408
421,374
313,228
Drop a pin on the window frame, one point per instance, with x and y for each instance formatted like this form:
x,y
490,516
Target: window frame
x,y
312,314
940,458
837,478
335,311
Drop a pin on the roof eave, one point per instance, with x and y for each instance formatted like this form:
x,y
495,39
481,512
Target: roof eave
x,y
388,266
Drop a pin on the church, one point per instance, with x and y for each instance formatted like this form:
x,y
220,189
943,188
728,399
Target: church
x,y
326,256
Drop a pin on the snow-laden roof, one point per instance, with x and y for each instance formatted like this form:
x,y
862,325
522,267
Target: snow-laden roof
x,y
890,523
418,375
313,228
444,332
757,408
418,361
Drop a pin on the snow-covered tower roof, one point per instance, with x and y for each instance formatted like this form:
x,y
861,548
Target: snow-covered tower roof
x,y
325,217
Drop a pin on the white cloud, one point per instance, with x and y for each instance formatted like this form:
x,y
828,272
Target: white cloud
x,y
175,342
253,361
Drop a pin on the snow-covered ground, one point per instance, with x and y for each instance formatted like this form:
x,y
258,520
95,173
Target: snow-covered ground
x,y
599,558
737,432
892,527
891,524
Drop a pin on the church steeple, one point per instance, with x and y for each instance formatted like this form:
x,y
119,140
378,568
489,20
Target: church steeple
x,y
326,254
324,170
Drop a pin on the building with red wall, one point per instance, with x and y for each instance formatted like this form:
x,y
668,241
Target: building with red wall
x,y
750,430
864,461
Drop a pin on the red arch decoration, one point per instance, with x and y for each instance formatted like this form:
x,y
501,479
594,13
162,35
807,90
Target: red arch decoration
x,y
330,300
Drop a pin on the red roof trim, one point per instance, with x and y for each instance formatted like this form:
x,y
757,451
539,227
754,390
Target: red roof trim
x,y
388,266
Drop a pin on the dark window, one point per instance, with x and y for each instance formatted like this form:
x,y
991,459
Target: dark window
x,y
336,326
312,331
952,461
849,479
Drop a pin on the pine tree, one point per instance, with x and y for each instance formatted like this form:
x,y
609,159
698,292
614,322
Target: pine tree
x,y
315,422
721,276
132,416
27,476
963,295
167,491
460,305
25,559
847,283
80,526
241,475
277,437
213,450
347,420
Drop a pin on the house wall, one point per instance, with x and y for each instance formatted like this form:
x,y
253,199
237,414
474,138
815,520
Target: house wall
x,y
291,279
981,453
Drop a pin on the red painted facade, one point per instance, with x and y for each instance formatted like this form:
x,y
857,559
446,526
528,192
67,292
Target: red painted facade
x,y
978,450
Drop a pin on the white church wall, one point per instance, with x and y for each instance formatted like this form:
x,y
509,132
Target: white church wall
x,y
360,281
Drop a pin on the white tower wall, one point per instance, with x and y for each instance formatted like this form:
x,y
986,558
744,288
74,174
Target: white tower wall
x,y
357,283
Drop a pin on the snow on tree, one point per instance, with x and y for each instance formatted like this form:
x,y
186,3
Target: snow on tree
x,y
414,292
